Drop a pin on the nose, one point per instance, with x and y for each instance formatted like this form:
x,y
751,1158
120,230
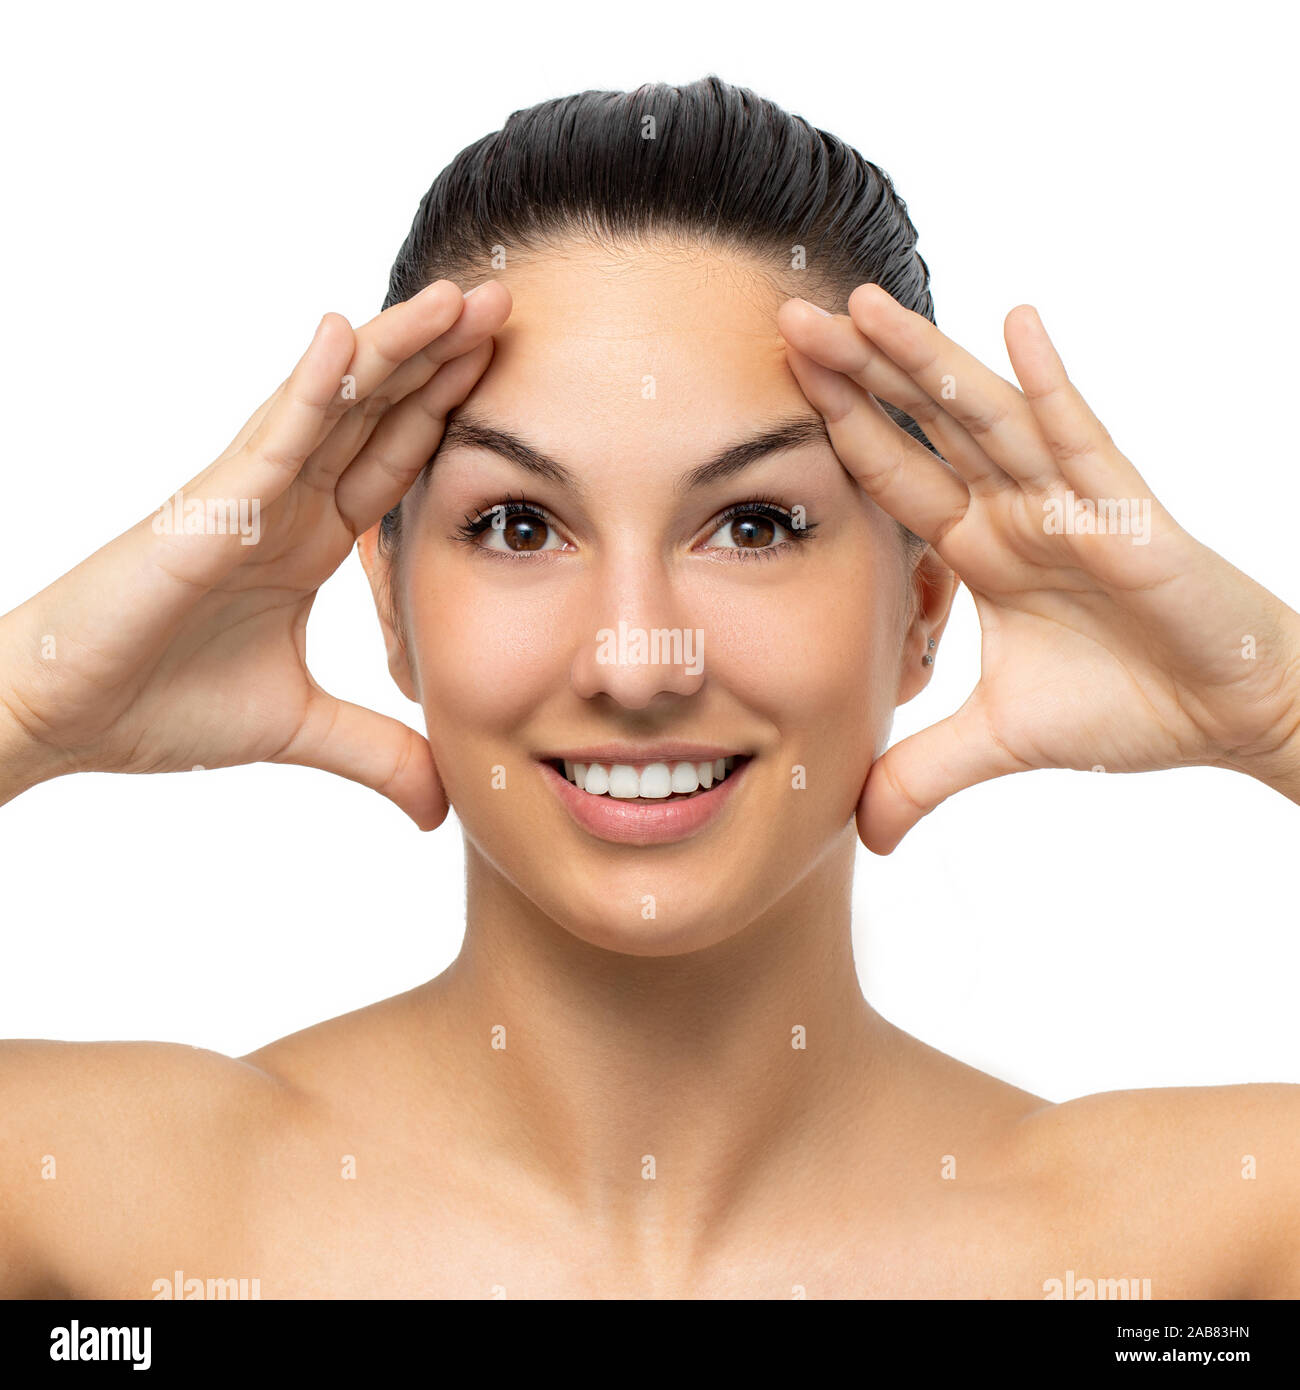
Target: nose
x,y
637,641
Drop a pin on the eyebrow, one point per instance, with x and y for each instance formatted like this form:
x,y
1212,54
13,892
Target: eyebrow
x,y
788,432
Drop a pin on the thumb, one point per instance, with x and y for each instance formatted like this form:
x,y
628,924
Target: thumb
x,y
380,753
919,772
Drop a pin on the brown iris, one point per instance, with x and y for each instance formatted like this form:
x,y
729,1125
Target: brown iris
x,y
523,532
752,532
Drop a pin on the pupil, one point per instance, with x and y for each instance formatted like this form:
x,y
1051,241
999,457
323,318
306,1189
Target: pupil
x,y
753,531
525,533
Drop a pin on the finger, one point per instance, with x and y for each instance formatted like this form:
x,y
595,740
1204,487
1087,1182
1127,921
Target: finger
x,y
992,411
1079,443
380,753
483,312
896,471
437,296
918,773
836,342
239,486
254,420
406,440
274,451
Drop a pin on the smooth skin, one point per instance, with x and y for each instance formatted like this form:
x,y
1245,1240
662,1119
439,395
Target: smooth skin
x,y
480,1171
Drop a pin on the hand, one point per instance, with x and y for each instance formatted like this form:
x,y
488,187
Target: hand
x,y
1130,648
166,650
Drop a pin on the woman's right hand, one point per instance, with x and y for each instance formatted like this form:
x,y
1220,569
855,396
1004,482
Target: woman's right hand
x,y
165,651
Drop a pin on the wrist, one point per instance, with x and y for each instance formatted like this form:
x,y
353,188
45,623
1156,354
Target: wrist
x,y
22,764
1275,761
24,760
1279,769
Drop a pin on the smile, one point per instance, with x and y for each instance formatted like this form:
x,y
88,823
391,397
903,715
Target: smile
x,y
653,782
644,802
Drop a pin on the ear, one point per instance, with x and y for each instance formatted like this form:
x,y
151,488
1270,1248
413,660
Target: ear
x,y
933,588
379,571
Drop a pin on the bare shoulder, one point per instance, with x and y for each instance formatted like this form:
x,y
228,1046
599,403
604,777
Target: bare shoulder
x,y
1198,1184
346,1061
115,1156
102,1142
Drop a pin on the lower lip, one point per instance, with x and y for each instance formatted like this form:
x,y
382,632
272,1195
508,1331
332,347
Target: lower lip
x,y
643,822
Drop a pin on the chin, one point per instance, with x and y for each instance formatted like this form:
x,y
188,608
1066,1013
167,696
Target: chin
x,y
650,938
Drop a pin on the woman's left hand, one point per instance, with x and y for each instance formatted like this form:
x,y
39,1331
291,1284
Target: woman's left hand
x,y
1128,647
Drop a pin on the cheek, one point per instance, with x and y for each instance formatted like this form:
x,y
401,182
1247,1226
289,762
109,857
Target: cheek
x,y
817,649
483,652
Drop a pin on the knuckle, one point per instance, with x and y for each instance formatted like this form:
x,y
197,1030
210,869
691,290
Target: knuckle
x,y
984,422
374,406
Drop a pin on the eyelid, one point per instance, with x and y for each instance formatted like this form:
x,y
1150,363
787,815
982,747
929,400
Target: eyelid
x,y
477,524
772,509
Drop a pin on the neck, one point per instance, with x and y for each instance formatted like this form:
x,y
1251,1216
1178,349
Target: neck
x,y
654,1093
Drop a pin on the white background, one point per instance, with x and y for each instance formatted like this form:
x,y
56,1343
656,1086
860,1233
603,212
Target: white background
x,y
187,195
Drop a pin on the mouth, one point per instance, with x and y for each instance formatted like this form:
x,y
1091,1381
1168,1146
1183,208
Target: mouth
x,y
644,801
666,780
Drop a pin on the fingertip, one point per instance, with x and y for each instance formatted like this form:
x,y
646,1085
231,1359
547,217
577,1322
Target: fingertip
x,y
867,295
329,323
333,337
494,295
800,314
1030,315
874,836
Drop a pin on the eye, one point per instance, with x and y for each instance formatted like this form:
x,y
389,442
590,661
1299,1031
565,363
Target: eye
x,y
511,528
756,528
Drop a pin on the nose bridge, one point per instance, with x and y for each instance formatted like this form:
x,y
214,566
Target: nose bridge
x,y
638,640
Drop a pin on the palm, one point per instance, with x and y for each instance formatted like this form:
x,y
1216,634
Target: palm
x,y
179,650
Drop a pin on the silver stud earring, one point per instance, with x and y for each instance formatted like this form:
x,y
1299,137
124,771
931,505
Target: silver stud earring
x,y
927,659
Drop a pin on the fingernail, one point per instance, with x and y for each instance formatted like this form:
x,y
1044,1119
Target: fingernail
x,y
475,290
825,313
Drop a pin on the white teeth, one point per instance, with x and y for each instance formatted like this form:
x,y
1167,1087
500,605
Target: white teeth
x,y
624,782
656,782
653,782
685,778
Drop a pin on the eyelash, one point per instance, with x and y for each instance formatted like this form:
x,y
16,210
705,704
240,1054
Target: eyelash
x,y
474,526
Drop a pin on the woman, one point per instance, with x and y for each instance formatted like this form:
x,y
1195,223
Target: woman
x,y
658,568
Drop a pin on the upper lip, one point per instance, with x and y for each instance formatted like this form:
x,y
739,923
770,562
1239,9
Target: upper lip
x,y
631,753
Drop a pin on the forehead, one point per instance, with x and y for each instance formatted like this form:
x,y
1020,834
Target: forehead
x,y
639,341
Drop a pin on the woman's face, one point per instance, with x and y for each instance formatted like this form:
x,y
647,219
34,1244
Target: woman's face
x,y
634,617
